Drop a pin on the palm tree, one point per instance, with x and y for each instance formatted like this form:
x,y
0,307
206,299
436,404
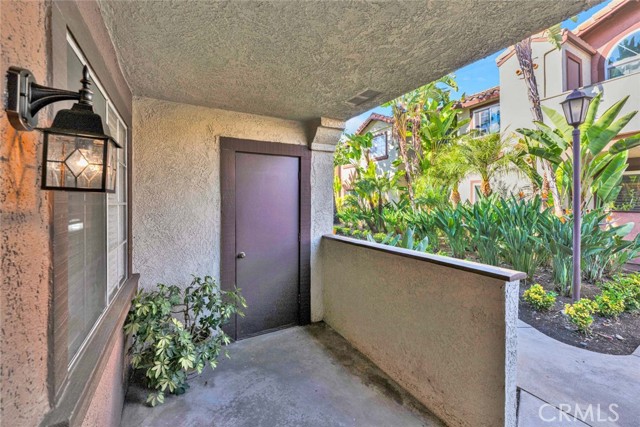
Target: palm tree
x,y
451,168
487,156
527,68
424,120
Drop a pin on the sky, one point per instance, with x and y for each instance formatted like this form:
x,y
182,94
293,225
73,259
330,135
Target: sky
x,y
474,77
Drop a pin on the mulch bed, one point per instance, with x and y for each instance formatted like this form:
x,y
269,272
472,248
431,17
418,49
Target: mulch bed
x,y
606,333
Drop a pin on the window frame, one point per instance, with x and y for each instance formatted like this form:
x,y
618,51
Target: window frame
x,y
607,66
634,172
123,153
386,145
480,109
570,56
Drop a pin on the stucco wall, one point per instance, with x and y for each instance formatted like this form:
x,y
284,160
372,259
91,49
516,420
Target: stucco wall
x,y
176,187
446,335
24,230
105,408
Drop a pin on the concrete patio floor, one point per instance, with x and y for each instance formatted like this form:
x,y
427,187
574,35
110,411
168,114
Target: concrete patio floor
x,y
553,375
302,376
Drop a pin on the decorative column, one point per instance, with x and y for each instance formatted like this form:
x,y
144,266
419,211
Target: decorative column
x,y
323,136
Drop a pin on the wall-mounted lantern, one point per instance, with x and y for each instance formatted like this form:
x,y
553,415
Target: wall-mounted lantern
x,y
78,154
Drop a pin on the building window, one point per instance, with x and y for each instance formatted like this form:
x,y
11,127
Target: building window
x,y
625,56
379,146
574,71
628,199
95,236
487,120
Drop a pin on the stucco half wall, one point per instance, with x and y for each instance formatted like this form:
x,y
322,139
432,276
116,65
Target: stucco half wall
x,y
176,215
444,329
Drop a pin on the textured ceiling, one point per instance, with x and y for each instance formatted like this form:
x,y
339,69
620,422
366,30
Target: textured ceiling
x,y
301,60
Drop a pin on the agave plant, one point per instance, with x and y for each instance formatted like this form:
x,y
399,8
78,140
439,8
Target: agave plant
x,y
602,163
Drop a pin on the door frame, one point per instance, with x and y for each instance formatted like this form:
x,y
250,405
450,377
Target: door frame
x,y
228,149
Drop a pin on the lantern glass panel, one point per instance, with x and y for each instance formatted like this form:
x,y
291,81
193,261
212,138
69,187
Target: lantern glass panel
x,y
112,168
74,162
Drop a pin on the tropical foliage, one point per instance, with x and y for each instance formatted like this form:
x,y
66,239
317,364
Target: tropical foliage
x,y
177,332
602,162
418,206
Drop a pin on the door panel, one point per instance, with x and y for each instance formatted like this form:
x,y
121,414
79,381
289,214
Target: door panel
x,y
267,232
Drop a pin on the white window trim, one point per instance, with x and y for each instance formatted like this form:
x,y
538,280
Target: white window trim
x,y
624,61
481,109
109,106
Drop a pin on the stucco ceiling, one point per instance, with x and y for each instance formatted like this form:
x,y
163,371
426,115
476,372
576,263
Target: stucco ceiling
x,y
302,60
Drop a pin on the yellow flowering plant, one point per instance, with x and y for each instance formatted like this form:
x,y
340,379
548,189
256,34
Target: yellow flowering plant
x,y
540,299
580,313
610,303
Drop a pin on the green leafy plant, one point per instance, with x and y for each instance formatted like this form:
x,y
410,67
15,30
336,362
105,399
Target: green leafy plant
x,y
602,163
483,224
610,303
580,313
451,222
487,156
540,299
557,237
378,237
604,250
177,332
406,241
519,227
627,285
424,224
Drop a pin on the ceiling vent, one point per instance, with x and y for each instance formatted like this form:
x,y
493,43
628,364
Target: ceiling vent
x,y
363,97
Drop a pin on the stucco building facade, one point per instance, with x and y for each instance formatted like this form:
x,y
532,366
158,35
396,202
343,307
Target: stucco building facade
x,y
173,83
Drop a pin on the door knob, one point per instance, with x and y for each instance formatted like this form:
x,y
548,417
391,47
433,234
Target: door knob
x,y
241,255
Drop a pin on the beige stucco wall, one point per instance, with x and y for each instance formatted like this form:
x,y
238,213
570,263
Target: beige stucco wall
x,y
24,230
105,409
446,335
176,188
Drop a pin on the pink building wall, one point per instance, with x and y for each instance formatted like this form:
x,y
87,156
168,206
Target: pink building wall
x,y
608,32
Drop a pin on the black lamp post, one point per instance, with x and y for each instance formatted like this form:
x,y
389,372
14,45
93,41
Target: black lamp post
x,y
78,154
575,109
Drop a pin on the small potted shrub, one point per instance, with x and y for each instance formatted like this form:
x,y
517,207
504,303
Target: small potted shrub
x,y
540,299
580,313
177,332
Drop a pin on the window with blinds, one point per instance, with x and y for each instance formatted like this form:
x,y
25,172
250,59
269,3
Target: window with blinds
x,y
96,231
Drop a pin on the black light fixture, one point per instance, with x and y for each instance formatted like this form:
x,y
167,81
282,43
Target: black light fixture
x,y
78,154
575,108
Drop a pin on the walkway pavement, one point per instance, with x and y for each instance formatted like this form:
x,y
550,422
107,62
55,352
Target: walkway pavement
x,y
555,376
302,376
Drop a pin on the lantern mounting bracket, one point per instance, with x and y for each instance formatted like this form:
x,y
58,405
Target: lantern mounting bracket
x,y
25,97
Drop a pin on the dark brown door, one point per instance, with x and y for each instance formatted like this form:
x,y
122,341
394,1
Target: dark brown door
x,y
267,207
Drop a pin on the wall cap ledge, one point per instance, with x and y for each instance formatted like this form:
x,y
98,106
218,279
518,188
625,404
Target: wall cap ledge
x,y
445,261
